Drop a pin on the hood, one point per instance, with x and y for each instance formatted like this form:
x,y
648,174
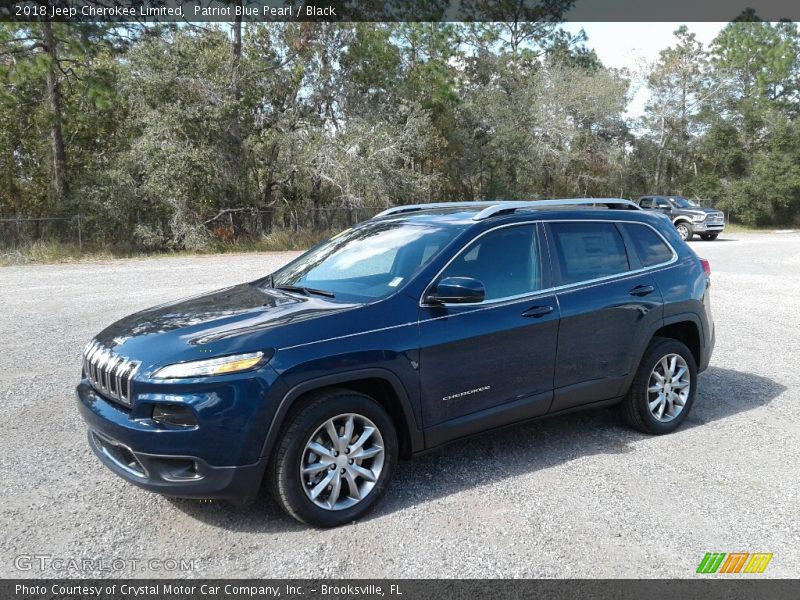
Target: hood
x,y
699,210
213,323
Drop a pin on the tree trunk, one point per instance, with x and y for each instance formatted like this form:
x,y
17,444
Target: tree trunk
x,y
60,187
237,152
273,159
236,51
662,142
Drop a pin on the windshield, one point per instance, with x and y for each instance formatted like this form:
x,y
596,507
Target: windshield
x,y
366,262
685,202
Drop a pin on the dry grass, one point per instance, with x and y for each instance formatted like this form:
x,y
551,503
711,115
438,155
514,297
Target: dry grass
x,y
44,252
291,240
49,252
737,228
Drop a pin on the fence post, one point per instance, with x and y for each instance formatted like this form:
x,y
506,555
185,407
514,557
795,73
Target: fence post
x,y
80,237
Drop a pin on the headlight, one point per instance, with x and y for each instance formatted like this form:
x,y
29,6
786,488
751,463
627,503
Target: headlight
x,y
212,366
698,218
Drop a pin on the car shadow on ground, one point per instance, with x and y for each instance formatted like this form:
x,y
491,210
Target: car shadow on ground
x,y
508,452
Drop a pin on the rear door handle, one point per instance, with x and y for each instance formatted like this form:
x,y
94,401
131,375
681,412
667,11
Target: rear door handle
x,y
537,311
642,290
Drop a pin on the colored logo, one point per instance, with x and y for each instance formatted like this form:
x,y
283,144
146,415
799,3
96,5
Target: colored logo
x,y
734,562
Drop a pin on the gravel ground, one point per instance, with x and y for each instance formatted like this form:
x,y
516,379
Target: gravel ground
x,y
574,496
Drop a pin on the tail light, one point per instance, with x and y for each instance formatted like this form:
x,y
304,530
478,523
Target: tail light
x,y
706,266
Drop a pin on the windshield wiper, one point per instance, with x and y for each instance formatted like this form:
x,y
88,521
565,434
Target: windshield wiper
x,y
304,290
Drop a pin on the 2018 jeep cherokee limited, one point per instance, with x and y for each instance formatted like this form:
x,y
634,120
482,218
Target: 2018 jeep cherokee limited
x,y
425,324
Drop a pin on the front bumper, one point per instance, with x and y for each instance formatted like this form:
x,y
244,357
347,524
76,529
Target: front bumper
x,y
703,227
218,457
180,476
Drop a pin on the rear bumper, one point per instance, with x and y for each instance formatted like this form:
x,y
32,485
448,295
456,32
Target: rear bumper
x,y
705,359
180,476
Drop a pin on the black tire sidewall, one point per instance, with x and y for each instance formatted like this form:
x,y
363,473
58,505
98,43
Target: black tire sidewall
x,y
288,482
638,394
689,230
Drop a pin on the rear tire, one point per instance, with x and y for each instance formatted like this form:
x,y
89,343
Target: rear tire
x,y
684,230
329,479
663,389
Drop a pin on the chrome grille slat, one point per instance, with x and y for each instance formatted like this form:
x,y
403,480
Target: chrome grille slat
x,y
101,367
109,373
133,368
121,366
90,361
113,387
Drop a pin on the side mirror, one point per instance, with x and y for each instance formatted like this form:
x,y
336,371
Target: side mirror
x,y
457,290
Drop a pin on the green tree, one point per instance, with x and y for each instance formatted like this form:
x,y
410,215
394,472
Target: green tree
x,y
678,90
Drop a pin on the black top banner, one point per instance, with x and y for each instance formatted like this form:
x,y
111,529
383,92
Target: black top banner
x,y
394,10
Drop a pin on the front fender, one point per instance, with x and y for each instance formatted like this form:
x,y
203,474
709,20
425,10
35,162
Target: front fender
x,y
295,392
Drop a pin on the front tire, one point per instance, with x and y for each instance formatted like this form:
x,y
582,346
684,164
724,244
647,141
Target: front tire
x,y
334,459
663,390
709,236
684,230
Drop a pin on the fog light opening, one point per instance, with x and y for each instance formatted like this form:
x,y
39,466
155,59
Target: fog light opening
x,y
174,415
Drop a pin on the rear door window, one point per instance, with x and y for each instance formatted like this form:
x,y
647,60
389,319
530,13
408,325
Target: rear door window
x,y
587,251
646,203
648,245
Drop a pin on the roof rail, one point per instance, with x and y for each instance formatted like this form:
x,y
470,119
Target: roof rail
x,y
490,209
503,208
405,208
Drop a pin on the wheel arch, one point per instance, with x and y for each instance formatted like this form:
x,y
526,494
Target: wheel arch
x,y
684,327
686,331
380,384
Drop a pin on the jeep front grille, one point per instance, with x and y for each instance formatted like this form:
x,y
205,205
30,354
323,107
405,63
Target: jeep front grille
x,y
109,373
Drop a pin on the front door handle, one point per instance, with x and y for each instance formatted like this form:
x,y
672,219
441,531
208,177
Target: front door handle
x,y
537,311
642,290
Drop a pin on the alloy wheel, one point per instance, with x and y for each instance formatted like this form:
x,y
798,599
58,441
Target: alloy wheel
x,y
342,461
668,387
683,231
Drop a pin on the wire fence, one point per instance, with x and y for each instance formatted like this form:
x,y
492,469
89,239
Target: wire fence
x,y
229,225
86,230
20,231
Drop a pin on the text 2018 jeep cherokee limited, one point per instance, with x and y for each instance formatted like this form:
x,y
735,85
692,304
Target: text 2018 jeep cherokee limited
x,y
425,324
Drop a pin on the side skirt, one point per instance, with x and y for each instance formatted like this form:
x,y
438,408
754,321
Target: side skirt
x,y
480,423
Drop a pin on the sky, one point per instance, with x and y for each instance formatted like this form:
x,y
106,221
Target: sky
x,y
633,45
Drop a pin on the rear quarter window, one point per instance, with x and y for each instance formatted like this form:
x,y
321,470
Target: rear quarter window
x,y
648,245
588,251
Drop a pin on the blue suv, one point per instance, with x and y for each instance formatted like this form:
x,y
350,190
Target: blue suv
x,y
423,325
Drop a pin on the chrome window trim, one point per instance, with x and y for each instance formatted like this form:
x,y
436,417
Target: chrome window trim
x,y
547,291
